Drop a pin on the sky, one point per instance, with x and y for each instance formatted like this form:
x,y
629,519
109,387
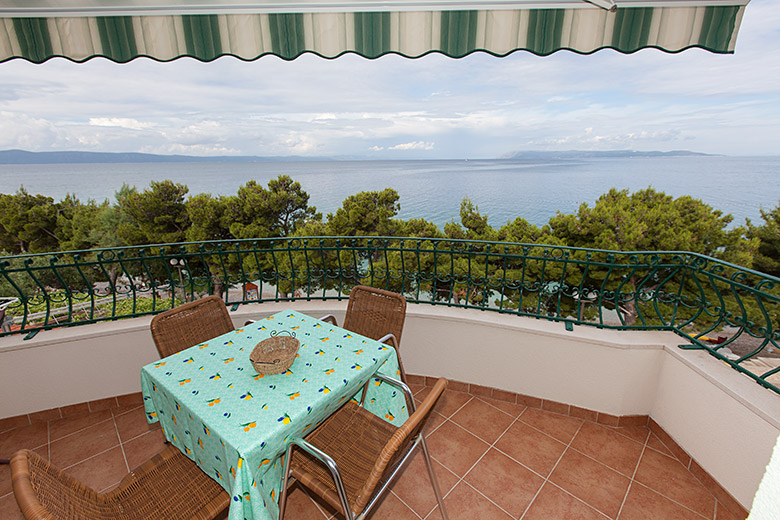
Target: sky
x,y
434,107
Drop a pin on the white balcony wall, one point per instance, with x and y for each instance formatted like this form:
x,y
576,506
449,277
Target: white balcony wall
x,y
725,421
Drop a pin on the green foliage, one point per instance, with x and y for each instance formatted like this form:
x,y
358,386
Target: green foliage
x,y
543,276
647,220
207,218
368,213
767,256
473,225
419,227
158,215
288,206
14,281
28,223
256,212
86,226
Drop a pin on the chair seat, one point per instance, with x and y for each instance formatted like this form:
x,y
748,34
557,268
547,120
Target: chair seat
x,y
355,454
168,486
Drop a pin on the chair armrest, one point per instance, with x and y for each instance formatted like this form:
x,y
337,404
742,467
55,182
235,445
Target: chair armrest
x,y
400,384
389,339
331,319
328,461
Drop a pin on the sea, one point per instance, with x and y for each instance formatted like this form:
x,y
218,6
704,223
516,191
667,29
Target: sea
x,y
433,189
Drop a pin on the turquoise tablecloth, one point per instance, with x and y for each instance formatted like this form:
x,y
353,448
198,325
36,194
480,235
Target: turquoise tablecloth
x,y
235,423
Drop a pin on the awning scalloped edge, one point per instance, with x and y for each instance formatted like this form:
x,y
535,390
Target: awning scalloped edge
x,y
371,34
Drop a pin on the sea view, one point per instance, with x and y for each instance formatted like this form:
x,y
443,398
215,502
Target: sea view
x,y
503,189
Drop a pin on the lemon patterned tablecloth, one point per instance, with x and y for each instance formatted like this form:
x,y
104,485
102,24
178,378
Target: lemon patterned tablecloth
x,y
235,423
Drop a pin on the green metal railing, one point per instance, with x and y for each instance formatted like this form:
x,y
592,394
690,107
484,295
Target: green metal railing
x,y
729,311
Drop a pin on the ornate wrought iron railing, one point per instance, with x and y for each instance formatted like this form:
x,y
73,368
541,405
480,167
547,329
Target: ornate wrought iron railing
x,y
729,311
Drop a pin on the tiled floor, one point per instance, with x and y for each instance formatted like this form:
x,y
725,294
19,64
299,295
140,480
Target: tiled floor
x,y
494,460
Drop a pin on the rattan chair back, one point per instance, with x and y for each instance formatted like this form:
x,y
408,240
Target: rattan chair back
x,y
375,313
168,486
190,324
366,449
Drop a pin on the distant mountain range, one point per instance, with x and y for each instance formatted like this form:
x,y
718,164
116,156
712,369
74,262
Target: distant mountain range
x,y
24,157
592,154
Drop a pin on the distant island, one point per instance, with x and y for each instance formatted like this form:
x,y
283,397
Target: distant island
x,y
593,154
24,157
77,157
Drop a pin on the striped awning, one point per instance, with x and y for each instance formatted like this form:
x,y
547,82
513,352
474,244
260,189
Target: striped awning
x,y
122,30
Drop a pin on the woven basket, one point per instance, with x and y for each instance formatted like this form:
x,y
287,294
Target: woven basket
x,y
275,354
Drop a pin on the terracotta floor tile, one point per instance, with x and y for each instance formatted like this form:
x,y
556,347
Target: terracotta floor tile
x,y
654,442
5,479
133,423
415,388
391,507
644,504
26,437
9,510
449,402
635,433
87,443
62,427
590,481
511,408
74,410
721,513
554,504
414,487
531,447
670,478
129,401
455,448
16,421
562,427
434,421
45,415
301,507
102,404
506,482
141,449
465,503
101,471
609,447
483,420
43,451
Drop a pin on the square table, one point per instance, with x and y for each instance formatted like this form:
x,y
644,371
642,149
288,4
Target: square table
x,y
235,423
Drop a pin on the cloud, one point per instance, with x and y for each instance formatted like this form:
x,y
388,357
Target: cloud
x,y
191,149
589,140
416,145
24,132
478,106
121,122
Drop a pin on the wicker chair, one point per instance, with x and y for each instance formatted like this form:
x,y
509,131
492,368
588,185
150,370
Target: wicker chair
x,y
168,486
190,324
353,457
376,314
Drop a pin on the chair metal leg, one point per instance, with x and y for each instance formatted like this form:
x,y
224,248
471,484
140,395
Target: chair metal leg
x,y
285,479
432,475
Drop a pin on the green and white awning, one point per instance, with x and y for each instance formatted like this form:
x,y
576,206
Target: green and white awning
x,y
122,30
